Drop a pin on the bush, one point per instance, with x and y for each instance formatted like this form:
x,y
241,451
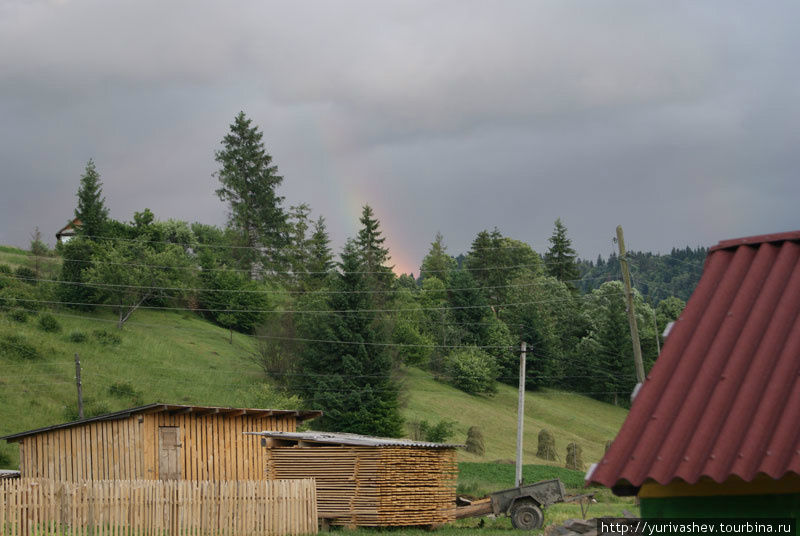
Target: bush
x,y
26,274
106,337
437,433
77,336
472,370
125,390
91,408
5,269
5,460
48,322
18,315
18,346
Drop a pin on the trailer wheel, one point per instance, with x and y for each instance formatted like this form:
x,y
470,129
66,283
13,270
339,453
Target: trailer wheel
x,y
525,515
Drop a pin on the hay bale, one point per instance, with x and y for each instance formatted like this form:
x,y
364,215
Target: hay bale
x,y
547,446
474,443
574,457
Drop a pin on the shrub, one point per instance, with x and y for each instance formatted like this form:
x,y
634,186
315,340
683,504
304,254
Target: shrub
x,y
436,433
91,408
106,337
5,269
18,315
125,390
77,336
472,370
26,274
17,345
48,322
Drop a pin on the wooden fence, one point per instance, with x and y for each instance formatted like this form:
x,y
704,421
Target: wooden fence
x,y
155,507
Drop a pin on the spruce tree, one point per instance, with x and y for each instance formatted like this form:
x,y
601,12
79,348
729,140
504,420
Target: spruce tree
x,y
373,255
437,263
350,382
320,254
560,258
248,182
91,209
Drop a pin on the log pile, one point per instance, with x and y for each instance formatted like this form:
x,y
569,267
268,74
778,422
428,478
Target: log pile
x,y
374,486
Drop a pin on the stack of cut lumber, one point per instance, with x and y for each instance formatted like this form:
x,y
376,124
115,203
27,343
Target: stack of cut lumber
x,y
374,486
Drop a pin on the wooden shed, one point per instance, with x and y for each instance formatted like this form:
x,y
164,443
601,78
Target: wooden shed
x,y
369,481
155,442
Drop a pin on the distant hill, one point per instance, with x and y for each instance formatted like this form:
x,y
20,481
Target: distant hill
x,y
655,275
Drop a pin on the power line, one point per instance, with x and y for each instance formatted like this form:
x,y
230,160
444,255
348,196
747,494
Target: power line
x,y
300,311
282,291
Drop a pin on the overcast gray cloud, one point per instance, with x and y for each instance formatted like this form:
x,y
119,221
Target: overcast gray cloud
x,y
676,119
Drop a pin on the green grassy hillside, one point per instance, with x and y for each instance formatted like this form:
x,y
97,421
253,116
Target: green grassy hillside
x,y
568,416
180,358
160,357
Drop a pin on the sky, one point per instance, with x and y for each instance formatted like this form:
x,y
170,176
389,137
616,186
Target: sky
x,y
677,120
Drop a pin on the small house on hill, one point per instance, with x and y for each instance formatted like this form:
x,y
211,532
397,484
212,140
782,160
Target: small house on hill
x,y
715,429
155,442
66,233
369,481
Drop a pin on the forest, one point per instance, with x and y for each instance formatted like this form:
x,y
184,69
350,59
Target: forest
x,y
335,327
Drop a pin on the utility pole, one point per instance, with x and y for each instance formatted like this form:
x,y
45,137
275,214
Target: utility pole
x,y
78,383
520,410
626,277
655,326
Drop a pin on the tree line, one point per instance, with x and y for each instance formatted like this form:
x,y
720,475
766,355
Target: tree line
x,y
336,329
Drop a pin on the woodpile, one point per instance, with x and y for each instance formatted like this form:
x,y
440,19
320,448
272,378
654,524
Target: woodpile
x,y
374,485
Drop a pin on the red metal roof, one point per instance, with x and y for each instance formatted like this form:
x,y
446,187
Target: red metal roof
x,y
723,398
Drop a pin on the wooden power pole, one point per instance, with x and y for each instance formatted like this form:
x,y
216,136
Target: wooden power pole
x,y
78,383
520,411
626,277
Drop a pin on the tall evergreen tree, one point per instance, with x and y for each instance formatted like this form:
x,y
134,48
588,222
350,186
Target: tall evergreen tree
x,y
351,383
560,258
248,182
91,209
437,263
373,255
321,256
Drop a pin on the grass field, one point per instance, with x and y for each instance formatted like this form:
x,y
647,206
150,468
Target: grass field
x,y
180,358
161,357
568,416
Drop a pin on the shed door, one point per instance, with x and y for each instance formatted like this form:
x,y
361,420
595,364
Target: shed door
x,y
169,445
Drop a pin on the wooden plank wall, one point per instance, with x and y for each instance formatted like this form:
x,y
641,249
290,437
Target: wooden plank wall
x,y
157,508
213,447
94,451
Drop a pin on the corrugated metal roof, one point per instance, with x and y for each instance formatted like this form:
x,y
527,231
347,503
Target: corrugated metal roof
x,y
332,438
173,408
6,474
723,398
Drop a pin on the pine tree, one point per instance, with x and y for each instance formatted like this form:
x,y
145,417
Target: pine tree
x,y
248,182
321,256
373,255
437,263
91,209
560,258
351,383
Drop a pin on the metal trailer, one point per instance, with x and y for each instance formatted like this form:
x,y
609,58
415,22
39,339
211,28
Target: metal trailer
x,y
523,504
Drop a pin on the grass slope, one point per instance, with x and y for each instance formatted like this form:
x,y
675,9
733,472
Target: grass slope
x,y
162,357
180,358
570,418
